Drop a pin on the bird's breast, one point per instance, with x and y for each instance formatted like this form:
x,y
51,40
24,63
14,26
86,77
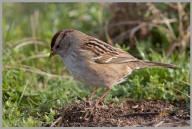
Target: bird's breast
x,y
100,75
83,71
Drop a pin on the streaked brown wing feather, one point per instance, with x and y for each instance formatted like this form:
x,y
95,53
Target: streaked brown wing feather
x,y
103,53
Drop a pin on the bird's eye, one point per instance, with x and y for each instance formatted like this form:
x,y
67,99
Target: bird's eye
x,y
57,46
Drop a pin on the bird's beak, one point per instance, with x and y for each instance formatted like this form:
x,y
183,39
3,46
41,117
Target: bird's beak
x,y
52,54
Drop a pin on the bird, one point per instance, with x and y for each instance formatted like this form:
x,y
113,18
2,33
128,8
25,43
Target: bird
x,y
95,62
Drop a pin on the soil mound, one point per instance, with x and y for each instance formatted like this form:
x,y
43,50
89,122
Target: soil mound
x,y
129,113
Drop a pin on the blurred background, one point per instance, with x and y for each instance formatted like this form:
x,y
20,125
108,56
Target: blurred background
x,y
35,86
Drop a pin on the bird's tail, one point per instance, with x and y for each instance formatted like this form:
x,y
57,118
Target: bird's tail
x,y
139,64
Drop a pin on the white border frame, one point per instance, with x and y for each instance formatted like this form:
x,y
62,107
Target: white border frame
x,y
51,1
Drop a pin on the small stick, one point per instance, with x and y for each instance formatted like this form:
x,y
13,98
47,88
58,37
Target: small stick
x,y
54,123
142,113
160,123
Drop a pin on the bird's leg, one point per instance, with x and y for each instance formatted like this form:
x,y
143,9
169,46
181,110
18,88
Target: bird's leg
x,y
92,93
101,98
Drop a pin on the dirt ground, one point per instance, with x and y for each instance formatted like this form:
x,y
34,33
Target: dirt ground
x,y
154,113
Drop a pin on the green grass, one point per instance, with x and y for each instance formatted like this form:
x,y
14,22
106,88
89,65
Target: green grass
x,y
30,99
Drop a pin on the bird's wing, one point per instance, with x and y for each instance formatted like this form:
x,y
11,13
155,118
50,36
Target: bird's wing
x,y
102,53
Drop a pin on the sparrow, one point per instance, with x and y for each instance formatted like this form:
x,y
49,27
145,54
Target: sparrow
x,y
94,62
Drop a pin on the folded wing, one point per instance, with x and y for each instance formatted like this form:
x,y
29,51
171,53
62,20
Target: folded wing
x,y
103,53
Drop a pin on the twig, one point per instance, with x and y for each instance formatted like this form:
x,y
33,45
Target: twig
x,y
160,16
35,70
171,48
172,5
139,22
121,36
187,123
184,41
132,34
135,29
141,114
177,43
140,25
56,121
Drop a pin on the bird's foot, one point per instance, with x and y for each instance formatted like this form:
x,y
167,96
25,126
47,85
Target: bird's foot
x,y
93,104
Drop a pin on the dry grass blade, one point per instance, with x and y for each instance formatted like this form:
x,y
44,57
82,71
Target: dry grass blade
x,y
28,43
13,42
56,121
182,93
37,71
160,123
34,25
35,56
170,28
162,22
109,40
181,13
176,124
